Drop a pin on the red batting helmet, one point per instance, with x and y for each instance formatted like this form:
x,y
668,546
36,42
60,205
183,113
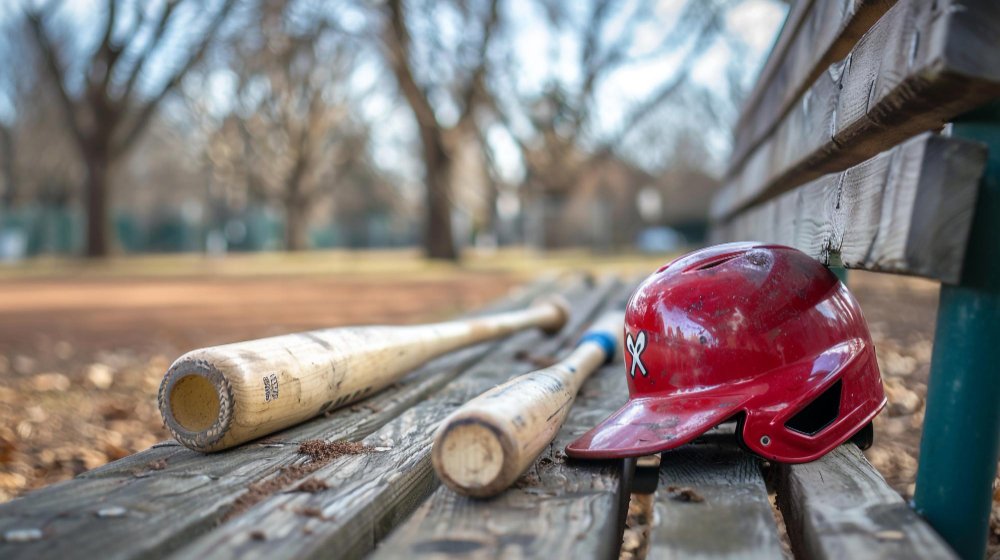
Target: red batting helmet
x,y
760,333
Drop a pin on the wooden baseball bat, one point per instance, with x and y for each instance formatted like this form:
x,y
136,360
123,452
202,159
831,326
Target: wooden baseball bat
x,y
481,448
218,397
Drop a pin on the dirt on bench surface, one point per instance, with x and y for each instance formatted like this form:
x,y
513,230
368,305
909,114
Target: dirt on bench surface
x,y
81,360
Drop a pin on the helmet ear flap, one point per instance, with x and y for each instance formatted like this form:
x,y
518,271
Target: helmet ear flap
x,y
865,436
741,420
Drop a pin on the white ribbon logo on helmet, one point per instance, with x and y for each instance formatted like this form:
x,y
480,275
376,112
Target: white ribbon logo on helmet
x,y
635,348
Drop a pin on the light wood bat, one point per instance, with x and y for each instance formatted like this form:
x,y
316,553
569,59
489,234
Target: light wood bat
x,y
218,397
481,448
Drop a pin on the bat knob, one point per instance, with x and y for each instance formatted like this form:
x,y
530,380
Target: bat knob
x,y
473,457
560,316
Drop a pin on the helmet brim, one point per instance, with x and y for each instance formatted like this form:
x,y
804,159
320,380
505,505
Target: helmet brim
x,y
649,425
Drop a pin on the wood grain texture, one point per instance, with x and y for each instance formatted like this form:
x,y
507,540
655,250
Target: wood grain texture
x,y
711,502
367,495
219,397
560,508
841,507
485,445
918,67
817,33
907,211
170,494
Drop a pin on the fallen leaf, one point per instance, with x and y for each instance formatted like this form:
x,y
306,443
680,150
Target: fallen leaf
x,y
46,382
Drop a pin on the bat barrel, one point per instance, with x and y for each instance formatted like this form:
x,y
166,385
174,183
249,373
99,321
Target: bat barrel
x,y
218,397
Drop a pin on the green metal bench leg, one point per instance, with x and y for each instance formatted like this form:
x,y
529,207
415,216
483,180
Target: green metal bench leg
x,y
840,272
836,266
961,436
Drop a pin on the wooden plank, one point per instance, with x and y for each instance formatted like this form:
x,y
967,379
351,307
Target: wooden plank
x,y
712,503
816,34
576,508
170,494
841,507
919,67
908,211
360,498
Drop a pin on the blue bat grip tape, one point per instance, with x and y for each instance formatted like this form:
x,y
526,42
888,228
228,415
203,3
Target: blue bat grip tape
x,y
605,340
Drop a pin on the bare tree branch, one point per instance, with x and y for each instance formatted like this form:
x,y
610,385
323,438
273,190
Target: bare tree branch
x,y
153,44
147,111
476,88
705,37
56,73
397,41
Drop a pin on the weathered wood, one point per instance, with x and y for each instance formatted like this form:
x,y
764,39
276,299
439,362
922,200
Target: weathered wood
x,y
908,211
712,503
170,494
365,496
841,507
816,34
921,65
559,509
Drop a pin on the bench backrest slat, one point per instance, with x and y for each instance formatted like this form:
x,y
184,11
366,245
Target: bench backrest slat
x,y
912,72
816,34
908,210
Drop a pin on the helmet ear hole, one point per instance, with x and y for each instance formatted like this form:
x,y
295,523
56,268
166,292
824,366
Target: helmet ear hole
x,y
818,414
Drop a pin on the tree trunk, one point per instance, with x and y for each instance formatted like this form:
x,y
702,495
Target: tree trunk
x,y
439,242
97,162
295,227
9,173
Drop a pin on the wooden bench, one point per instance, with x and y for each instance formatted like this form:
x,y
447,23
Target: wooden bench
x,y
872,141
270,499
276,498
828,158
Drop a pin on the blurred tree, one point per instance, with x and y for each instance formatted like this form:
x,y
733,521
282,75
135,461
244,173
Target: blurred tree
x,y
560,136
35,147
438,53
104,104
556,129
292,136
9,175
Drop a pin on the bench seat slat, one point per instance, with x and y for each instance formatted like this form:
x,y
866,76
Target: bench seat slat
x,y
559,509
841,507
170,494
908,210
920,66
368,495
711,502
816,34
